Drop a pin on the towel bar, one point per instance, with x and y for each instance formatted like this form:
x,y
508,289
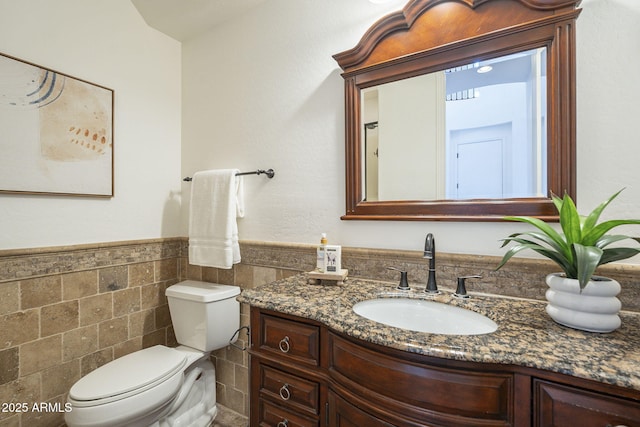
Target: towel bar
x,y
269,172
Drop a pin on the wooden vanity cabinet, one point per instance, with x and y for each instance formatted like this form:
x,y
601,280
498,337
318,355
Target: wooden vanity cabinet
x,y
417,389
287,385
303,374
563,405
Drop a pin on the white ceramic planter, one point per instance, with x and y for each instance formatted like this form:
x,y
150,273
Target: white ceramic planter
x,y
595,309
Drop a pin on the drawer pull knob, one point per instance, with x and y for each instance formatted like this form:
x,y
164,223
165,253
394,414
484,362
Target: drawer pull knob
x,y
284,345
285,394
284,423
617,425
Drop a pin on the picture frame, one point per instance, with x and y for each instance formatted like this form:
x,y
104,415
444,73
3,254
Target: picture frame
x,y
56,132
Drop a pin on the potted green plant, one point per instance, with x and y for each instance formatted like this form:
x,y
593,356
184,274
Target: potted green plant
x,y
576,297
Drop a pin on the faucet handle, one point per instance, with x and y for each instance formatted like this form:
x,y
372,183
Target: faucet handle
x,y
461,290
404,283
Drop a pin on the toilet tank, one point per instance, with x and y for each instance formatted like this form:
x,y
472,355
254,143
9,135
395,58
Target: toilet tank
x,y
205,316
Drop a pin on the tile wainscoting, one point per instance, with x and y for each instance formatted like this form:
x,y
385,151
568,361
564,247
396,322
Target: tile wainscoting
x,y
65,311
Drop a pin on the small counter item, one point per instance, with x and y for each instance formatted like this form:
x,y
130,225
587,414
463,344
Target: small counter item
x,y
318,278
332,259
320,255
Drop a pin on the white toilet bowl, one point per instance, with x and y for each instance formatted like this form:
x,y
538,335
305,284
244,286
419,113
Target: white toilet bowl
x,y
162,386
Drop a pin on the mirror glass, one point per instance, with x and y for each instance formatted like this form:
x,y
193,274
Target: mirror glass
x,y
431,134
476,131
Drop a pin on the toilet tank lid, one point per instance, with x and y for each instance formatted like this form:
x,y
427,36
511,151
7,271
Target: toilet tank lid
x,y
195,290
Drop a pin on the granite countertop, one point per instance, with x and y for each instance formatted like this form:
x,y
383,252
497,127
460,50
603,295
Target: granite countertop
x,y
526,335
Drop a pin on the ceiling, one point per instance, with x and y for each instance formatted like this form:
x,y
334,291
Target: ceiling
x,y
185,19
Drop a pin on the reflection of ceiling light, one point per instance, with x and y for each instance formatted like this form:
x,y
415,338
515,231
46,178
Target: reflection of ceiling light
x,y
484,69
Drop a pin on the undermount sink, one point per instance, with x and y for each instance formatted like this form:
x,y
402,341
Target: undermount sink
x,y
425,316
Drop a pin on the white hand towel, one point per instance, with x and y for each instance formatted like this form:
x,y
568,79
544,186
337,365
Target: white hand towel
x,y
217,199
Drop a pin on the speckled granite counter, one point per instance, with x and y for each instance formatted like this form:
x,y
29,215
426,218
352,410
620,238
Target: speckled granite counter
x,y
526,336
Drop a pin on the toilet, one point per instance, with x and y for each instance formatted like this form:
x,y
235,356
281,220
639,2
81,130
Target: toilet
x,y
161,386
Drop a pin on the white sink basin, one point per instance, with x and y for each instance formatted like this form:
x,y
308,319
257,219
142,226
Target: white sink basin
x,y
425,316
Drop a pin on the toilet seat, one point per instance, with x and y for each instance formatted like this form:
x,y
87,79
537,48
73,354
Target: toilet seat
x,y
130,375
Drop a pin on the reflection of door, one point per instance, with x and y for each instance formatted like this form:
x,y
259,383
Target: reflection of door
x,y
479,159
478,163
371,164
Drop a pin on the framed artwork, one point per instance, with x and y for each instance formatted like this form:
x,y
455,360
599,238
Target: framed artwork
x,y
56,132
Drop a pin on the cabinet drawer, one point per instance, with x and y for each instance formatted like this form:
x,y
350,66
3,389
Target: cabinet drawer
x,y
295,341
448,395
559,405
347,414
289,390
275,416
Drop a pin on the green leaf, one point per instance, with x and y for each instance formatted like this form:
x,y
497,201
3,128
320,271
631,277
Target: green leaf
x,y
587,260
617,254
601,229
546,229
591,221
570,221
557,201
523,244
608,239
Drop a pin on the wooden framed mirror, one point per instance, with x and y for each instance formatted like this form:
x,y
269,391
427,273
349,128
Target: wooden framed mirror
x,y
519,143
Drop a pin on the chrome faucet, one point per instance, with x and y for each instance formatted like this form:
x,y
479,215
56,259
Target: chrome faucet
x,y
430,254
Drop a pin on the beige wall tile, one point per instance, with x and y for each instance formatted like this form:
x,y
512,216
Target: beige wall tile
x,y
113,278
166,269
241,378
235,400
113,331
127,347
126,301
7,420
153,296
163,316
171,337
211,274
142,323
226,277
59,379
263,275
53,327
10,363
225,372
141,274
234,354
9,297
244,276
79,342
58,318
26,389
80,284
193,272
94,360
40,291
248,276
41,354
96,309
158,337
19,327
45,418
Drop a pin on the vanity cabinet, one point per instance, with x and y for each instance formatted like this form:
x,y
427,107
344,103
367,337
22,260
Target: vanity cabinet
x,y
442,394
287,385
561,405
304,374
